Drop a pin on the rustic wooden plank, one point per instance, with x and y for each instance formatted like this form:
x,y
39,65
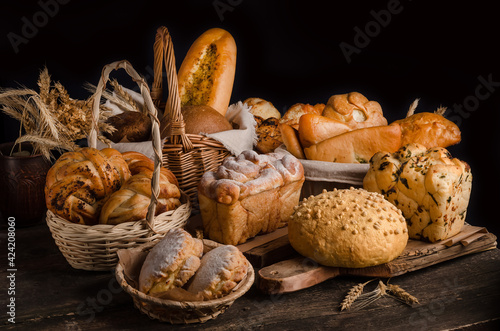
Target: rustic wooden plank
x,y
270,252
53,296
417,255
452,294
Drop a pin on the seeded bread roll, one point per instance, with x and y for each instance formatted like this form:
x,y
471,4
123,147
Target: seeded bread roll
x,y
220,271
171,262
348,228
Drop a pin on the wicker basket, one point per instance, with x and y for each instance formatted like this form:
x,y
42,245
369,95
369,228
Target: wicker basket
x,y
183,312
94,247
188,156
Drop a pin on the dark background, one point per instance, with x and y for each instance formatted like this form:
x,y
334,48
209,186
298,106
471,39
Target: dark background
x,y
288,52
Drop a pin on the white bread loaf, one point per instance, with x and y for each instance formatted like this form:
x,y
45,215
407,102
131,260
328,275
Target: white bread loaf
x,y
249,194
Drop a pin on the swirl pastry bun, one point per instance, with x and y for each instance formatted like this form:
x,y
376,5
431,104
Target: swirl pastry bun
x,y
171,262
78,182
220,271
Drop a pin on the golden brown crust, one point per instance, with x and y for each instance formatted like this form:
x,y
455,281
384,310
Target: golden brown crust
x,y
429,186
348,228
291,141
262,108
356,146
220,271
293,114
355,110
269,135
131,126
429,130
171,262
78,181
249,194
131,201
316,128
204,119
206,75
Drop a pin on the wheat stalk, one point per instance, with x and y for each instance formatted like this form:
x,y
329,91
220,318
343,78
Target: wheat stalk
x,y
401,295
352,295
50,119
356,299
413,107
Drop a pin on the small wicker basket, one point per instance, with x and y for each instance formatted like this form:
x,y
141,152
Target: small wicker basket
x,y
94,247
183,312
188,156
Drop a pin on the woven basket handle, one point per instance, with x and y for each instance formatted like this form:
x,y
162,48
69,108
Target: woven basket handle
x,y
172,123
157,144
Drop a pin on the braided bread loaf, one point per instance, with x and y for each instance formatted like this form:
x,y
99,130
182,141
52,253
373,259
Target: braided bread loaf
x,y
78,181
249,194
131,201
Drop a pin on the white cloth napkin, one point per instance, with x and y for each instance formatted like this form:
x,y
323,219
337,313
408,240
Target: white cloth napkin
x,y
320,171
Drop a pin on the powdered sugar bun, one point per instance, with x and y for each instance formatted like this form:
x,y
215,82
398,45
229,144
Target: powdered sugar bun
x,y
171,262
220,271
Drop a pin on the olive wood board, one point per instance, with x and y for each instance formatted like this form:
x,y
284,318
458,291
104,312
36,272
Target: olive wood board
x,y
299,272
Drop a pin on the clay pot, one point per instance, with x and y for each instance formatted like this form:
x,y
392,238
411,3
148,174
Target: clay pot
x,y
22,181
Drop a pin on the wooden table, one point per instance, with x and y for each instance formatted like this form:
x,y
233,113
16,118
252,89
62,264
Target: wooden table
x,y
50,295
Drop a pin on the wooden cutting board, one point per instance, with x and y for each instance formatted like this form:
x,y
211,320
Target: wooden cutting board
x,y
283,270
299,272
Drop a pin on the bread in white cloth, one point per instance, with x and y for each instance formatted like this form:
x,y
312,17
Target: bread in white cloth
x,y
220,271
348,228
171,262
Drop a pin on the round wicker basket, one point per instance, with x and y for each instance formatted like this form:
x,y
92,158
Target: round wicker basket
x,y
183,312
188,156
94,247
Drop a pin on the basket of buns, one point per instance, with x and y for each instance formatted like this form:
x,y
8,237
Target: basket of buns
x,y
335,141
182,279
100,201
197,102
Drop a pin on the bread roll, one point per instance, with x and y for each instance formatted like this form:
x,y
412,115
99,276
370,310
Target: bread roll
x,y
130,203
430,187
131,126
291,140
78,182
220,271
206,75
293,114
356,146
262,108
204,119
355,110
348,228
268,135
170,263
249,194
316,128
428,129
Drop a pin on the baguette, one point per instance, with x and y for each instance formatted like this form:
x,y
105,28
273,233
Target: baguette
x,y
206,75
356,146
316,128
